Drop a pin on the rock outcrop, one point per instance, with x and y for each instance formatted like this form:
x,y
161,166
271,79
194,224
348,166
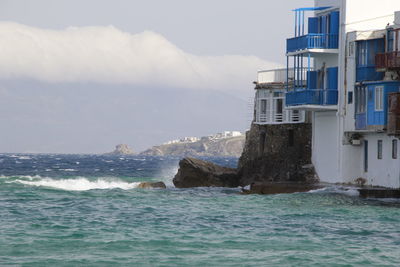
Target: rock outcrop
x,y
225,147
150,185
277,153
199,173
122,149
275,159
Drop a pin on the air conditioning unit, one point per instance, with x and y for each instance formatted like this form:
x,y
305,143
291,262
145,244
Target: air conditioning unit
x,y
356,142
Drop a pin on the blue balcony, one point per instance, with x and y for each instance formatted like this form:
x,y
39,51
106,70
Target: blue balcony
x,y
368,73
312,41
319,97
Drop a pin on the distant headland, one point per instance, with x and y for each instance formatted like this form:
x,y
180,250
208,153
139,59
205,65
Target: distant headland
x,y
224,144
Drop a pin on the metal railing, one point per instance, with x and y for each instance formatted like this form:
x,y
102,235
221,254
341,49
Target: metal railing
x,y
321,97
390,60
287,116
312,41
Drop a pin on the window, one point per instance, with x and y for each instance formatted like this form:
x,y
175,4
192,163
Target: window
x,y
350,98
362,53
394,149
366,51
351,49
390,39
263,106
378,98
360,100
379,149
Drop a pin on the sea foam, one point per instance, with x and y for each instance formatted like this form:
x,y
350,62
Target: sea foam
x,y
80,184
349,191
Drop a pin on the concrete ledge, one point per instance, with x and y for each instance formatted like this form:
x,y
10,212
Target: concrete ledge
x,y
379,193
280,188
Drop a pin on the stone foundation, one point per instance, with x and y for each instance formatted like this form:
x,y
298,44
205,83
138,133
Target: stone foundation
x,y
277,153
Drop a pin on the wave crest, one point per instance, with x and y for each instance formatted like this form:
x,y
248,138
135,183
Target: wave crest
x,y
80,184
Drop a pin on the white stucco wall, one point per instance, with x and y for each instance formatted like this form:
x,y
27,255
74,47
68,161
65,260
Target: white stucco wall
x,y
325,146
328,3
370,14
385,171
351,161
349,72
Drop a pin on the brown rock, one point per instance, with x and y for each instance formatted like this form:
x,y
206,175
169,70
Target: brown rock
x,y
199,173
149,185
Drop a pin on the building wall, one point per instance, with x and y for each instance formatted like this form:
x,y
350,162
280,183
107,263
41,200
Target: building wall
x,y
369,14
325,146
385,171
351,161
335,160
333,3
362,15
348,83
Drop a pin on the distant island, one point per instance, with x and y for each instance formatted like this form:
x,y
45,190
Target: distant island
x,y
228,144
122,149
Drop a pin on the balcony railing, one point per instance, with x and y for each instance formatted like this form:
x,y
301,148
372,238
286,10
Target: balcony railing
x,y
312,41
390,60
318,97
287,116
368,73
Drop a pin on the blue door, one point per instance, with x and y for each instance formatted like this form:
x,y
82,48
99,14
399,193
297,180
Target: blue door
x,y
370,105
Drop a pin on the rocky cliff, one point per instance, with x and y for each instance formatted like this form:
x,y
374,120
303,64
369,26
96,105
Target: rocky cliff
x,y
229,147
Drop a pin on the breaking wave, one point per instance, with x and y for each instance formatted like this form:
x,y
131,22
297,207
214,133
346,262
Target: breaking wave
x,y
79,184
349,191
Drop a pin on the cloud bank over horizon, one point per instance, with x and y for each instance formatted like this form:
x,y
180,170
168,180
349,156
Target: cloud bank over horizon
x,y
108,55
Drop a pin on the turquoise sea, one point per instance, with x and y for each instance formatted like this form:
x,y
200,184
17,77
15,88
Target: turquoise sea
x,y
85,210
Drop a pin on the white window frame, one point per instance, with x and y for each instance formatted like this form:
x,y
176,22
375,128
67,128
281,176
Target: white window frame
x,y
379,149
378,98
394,148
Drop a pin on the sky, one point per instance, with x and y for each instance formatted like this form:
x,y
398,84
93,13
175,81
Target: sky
x,y
84,76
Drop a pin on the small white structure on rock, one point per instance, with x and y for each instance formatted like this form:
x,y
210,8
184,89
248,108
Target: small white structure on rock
x,y
269,103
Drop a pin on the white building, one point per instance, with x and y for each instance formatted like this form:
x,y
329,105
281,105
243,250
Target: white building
x,y
352,67
269,102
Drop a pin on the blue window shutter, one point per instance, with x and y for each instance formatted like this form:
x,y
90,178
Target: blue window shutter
x,y
332,78
312,77
313,25
334,27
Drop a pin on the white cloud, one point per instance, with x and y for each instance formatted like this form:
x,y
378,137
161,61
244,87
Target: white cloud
x,y
108,55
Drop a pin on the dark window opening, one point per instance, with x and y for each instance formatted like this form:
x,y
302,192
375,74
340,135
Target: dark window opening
x,y
394,149
380,144
350,98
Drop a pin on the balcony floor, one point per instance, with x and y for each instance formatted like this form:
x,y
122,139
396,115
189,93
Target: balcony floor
x,y
313,52
314,107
